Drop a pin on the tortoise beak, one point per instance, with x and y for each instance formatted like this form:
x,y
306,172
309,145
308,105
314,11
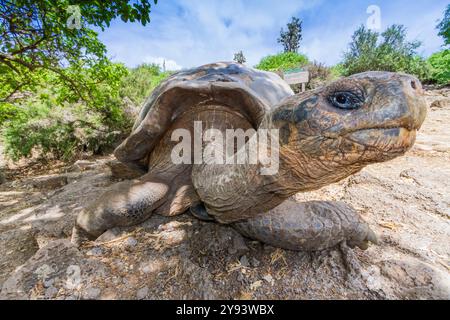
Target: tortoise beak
x,y
415,101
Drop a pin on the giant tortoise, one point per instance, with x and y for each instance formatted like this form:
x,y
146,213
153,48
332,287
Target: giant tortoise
x,y
320,137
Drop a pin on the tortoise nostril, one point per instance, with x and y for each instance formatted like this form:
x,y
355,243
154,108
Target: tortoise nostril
x,y
413,85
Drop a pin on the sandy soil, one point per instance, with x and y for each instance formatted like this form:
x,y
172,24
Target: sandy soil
x,y
406,201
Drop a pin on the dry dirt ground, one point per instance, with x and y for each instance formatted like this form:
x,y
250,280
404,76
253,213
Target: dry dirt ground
x,y
406,201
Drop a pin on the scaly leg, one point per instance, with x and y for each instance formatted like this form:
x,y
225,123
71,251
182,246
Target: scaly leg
x,y
313,225
125,203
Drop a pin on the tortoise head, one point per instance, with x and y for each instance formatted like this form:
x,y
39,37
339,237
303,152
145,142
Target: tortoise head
x,y
338,129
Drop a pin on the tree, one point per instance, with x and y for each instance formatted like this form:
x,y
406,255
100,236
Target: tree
x,y
388,51
56,36
444,26
291,38
239,57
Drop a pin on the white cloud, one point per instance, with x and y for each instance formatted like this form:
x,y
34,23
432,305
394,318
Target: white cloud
x,y
195,32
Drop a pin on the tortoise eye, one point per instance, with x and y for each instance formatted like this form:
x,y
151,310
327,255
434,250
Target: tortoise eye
x,y
345,100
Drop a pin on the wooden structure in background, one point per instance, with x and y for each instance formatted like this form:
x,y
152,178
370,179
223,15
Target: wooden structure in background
x,y
296,76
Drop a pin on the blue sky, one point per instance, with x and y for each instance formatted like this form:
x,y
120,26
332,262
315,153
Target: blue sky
x,y
188,33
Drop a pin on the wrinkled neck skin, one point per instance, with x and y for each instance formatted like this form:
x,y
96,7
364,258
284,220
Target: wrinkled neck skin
x,y
309,162
237,191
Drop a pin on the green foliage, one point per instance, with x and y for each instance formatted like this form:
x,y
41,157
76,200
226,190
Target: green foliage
x,y
282,61
239,57
390,53
53,123
440,67
444,26
337,71
141,81
55,132
38,36
290,39
60,94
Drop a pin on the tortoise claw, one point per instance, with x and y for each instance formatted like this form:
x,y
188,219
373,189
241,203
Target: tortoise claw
x,y
80,236
371,237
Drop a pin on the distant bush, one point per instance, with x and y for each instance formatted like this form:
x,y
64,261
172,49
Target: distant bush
x,y
51,124
282,61
319,74
56,132
440,67
141,81
367,52
337,71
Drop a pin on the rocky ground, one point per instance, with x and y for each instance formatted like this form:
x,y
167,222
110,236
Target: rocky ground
x,y
406,201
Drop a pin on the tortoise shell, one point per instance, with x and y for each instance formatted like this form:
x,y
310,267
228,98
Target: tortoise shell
x,y
248,91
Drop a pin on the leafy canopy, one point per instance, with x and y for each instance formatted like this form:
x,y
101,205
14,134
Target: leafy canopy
x,y
36,37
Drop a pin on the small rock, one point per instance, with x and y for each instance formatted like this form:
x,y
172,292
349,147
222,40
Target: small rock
x,y
238,247
82,165
43,240
244,261
49,182
130,242
255,262
92,293
255,285
151,266
441,103
97,251
269,279
51,292
48,282
142,293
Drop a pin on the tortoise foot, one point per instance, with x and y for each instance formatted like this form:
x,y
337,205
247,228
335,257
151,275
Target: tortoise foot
x,y
309,226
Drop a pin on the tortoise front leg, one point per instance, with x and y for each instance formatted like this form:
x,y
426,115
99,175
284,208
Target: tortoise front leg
x,y
125,203
309,226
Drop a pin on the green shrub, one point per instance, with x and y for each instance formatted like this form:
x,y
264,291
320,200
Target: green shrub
x,y
141,81
440,67
388,51
56,132
282,61
52,123
338,71
7,111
